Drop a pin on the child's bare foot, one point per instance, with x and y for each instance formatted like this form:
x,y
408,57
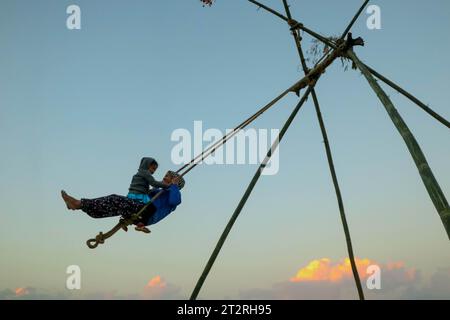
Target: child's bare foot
x,y
71,203
141,227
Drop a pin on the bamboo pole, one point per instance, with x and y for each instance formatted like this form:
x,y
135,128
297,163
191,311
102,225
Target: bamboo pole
x,y
330,162
245,197
430,182
296,25
349,27
409,96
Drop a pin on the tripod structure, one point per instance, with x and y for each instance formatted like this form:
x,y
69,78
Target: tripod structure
x,y
343,48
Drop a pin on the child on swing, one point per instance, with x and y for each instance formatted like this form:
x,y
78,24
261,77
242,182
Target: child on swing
x,y
143,180
140,185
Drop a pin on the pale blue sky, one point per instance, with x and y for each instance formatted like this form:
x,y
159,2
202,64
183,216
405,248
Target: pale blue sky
x,y
78,109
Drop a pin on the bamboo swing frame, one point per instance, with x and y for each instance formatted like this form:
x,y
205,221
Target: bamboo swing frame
x,y
343,48
430,182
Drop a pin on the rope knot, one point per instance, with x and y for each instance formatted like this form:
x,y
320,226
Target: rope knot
x,y
294,24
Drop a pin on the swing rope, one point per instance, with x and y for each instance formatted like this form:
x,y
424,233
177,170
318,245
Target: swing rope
x,y
310,79
125,222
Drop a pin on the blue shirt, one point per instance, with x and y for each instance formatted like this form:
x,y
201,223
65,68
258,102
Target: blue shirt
x,y
165,203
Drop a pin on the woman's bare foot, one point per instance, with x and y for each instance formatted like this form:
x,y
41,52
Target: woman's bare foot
x,y
71,203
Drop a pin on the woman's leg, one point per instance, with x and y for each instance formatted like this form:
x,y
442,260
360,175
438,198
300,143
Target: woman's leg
x,y
110,206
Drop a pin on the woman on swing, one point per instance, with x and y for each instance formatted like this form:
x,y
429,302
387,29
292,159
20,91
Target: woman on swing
x,y
139,195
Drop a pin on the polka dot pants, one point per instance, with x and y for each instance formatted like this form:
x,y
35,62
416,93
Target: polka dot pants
x,y
115,205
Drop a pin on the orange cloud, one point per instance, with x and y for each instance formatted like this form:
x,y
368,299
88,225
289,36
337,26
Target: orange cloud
x,y
156,282
324,270
159,289
20,292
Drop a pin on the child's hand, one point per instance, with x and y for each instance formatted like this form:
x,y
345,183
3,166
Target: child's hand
x,y
176,180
